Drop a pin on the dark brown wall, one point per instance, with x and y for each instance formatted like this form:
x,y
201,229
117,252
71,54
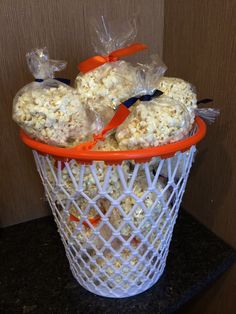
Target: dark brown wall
x,y
62,26
200,46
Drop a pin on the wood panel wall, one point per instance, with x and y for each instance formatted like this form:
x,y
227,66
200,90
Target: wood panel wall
x,y
200,46
62,26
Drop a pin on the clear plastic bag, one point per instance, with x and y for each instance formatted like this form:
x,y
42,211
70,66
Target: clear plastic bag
x,y
148,75
208,114
155,122
107,85
50,111
107,36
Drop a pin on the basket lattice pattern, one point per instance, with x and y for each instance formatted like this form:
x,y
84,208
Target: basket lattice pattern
x,y
116,221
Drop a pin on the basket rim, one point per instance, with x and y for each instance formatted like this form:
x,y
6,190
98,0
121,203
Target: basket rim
x,y
141,155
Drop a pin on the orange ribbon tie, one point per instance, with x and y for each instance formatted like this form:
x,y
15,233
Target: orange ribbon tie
x,y
96,61
121,114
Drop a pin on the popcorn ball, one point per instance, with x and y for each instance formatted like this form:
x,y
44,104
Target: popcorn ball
x,y
160,121
50,111
104,80
154,120
54,115
105,87
181,91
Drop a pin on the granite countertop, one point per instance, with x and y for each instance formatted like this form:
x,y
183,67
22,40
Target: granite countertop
x,y
35,275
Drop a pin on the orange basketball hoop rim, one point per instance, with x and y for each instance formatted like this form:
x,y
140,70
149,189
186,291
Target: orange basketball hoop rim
x,y
116,157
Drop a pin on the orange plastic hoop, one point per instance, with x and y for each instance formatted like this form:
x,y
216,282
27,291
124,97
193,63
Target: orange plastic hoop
x,y
116,157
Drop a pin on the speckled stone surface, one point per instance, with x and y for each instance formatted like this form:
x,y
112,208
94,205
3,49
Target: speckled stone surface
x,y
35,275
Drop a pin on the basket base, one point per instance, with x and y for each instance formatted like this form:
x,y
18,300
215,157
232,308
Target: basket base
x,y
119,293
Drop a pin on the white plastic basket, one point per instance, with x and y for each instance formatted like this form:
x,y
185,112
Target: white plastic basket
x,y
116,219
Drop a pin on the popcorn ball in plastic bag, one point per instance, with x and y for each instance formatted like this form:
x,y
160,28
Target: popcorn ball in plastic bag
x,y
181,91
50,111
157,121
105,81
